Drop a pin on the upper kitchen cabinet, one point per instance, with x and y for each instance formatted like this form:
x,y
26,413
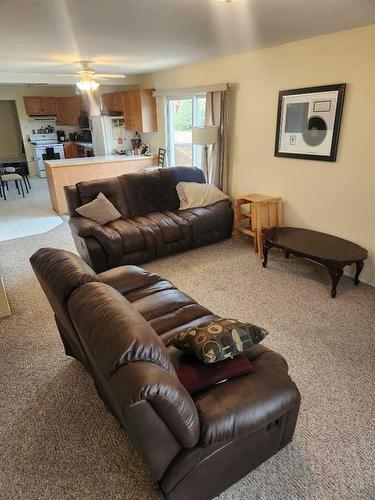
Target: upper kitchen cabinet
x,y
113,103
40,106
48,105
148,111
66,109
61,117
69,109
138,107
74,108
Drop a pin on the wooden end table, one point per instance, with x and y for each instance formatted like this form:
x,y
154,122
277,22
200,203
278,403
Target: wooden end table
x,y
330,251
255,212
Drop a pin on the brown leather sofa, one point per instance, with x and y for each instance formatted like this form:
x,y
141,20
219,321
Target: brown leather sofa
x,y
151,225
119,324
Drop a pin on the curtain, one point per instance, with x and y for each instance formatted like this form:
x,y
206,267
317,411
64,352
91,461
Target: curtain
x,y
216,166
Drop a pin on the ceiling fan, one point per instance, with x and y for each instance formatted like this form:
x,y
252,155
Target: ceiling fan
x,y
88,76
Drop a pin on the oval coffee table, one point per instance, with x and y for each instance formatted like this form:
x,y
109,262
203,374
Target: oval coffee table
x,y
332,252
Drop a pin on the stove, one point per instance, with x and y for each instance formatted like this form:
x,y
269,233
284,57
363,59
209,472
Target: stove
x,y
47,145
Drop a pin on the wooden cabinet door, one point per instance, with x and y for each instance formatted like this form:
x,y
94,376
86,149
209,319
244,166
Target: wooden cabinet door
x,y
148,107
132,110
33,106
60,103
73,110
70,150
113,103
48,106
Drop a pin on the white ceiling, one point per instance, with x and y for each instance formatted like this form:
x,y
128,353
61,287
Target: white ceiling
x,y
40,39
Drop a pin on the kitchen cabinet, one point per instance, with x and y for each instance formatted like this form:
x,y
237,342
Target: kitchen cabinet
x,y
73,110
69,109
48,106
71,150
113,103
148,111
138,107
60,103
66,109
40,106
33,106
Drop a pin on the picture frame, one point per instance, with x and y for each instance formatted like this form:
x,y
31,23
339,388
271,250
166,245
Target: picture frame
x,y
309,121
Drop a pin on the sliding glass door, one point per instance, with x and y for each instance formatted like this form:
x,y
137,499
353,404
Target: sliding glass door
x,y
183,113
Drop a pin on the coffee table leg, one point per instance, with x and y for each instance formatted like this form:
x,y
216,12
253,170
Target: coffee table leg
x,y
335,273
359,264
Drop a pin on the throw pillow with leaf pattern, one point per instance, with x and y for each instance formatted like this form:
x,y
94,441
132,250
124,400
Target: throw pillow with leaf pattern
x,y
220,339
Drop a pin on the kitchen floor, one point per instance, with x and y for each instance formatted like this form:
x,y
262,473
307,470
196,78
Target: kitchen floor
x,y
27,216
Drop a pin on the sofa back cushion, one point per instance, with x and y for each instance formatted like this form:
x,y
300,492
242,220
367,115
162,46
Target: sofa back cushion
x,y
60,273
145,193
130,360
171,176
111,188
113,331
135,194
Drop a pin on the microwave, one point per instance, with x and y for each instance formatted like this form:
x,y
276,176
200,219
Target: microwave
x,y
83,121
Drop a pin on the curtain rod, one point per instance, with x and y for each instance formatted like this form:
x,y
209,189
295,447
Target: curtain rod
x,y
192,90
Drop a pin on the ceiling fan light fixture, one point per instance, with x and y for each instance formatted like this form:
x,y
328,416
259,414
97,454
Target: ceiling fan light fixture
x,y
87,84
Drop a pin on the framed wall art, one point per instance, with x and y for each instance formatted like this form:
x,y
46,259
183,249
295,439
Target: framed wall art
x,y
308,122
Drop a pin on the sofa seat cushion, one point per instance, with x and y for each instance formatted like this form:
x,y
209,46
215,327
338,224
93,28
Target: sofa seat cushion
x,y
217,218
171,230
134,238
244,405
165,227
146,291
164,307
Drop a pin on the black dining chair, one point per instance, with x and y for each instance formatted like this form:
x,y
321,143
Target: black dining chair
x,y
161,157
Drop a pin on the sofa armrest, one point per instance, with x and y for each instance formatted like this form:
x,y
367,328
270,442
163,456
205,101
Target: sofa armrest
x,y
83,227
108,238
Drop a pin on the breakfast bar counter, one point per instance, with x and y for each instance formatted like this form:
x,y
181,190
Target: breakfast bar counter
x,y
66,172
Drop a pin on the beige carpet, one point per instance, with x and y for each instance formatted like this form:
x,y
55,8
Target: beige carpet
x,y
58,442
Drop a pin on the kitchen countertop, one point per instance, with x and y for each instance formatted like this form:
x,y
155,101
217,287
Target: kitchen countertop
x,y
71,162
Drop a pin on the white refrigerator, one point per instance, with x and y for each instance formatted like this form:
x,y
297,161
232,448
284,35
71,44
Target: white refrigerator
x,y
108,134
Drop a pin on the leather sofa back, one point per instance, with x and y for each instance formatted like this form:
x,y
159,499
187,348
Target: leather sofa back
x,y
113,331
60,273
135,194
132,358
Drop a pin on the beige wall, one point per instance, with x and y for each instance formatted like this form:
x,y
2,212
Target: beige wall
x,y
338,198
10,134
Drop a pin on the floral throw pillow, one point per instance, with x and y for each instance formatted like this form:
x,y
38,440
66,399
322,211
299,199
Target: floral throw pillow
x,y
220,339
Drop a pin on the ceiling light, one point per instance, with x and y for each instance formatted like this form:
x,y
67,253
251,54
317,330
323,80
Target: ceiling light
x,y
87,84
227,1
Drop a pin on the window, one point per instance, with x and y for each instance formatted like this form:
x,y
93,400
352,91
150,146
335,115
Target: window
x,y
182,114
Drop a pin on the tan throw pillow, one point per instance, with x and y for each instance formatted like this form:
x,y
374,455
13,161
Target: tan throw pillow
x,y
194,194
99,210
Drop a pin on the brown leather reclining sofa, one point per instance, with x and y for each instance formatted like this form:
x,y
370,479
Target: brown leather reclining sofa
x,y
151,225
119,324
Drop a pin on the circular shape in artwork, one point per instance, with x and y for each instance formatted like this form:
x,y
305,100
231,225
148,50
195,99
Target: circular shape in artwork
x,y
316,131
212,350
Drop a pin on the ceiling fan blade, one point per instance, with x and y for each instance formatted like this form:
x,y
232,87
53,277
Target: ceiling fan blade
x,y
109,75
